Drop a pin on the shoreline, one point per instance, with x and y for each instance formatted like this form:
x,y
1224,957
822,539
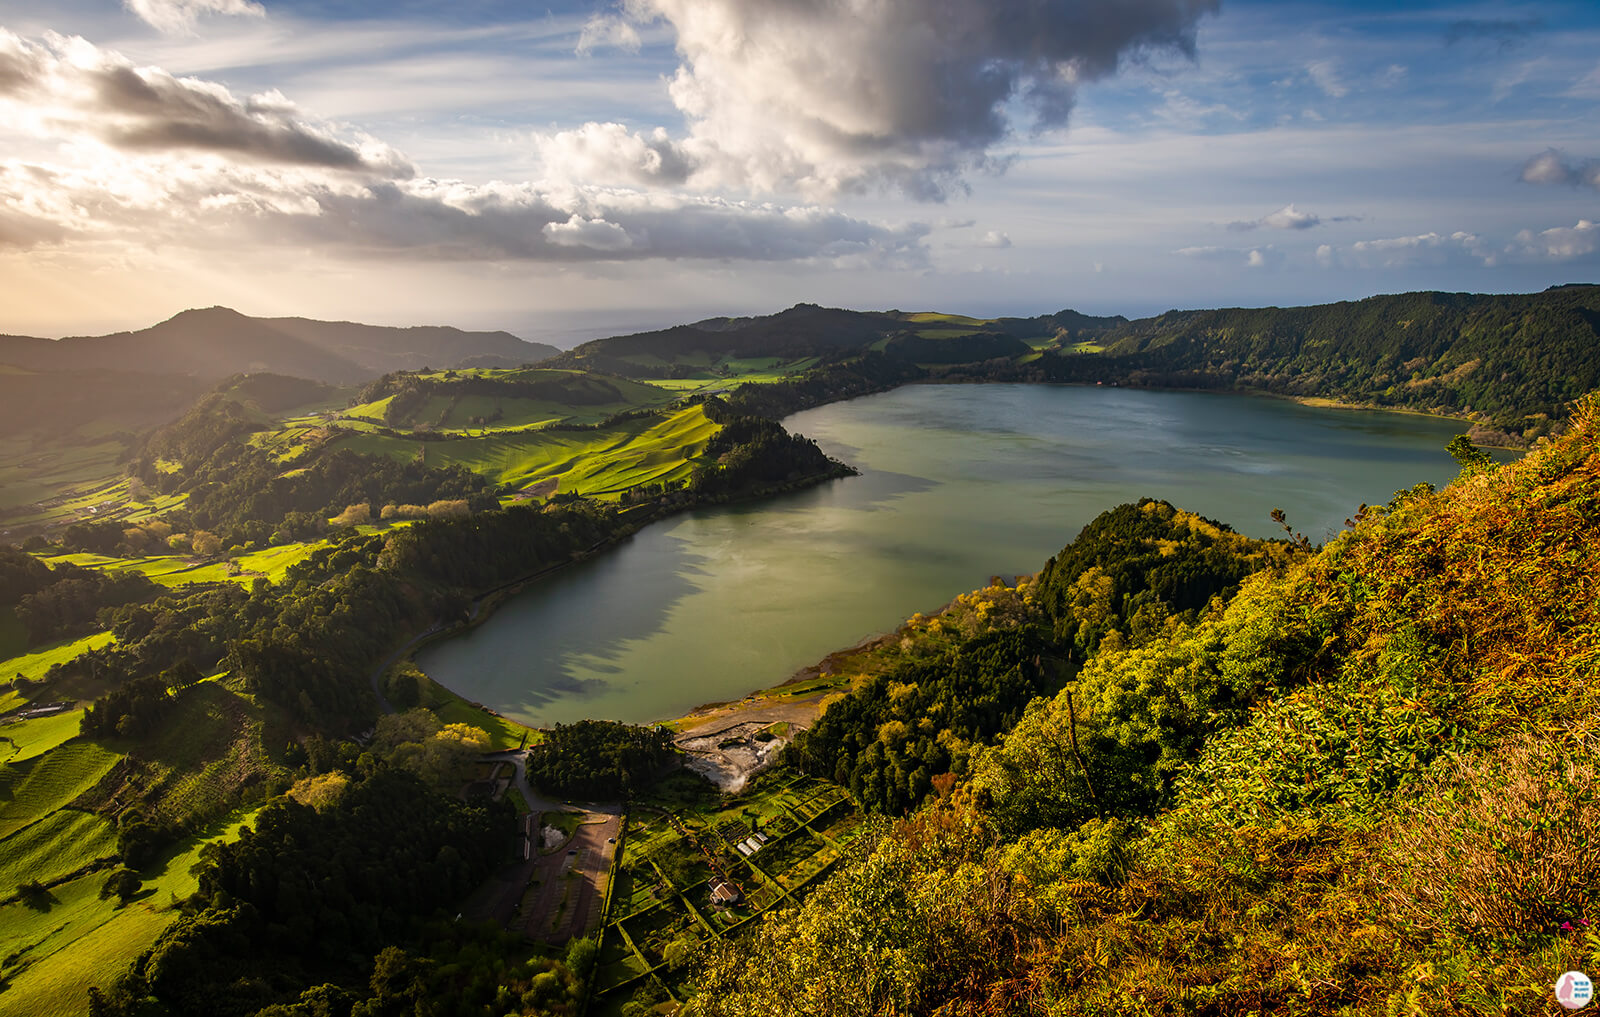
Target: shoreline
x,y
484,605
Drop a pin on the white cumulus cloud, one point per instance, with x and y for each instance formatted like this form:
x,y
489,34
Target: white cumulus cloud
x,y
832,96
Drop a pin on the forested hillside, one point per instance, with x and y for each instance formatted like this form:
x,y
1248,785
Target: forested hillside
x,y
1364,783
1513,361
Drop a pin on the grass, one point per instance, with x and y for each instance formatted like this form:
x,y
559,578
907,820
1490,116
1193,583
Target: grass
x,y
35,664
951,319
50,782
57,846
52,956
174,571
27,739
601,463
32,471
204,757
504,734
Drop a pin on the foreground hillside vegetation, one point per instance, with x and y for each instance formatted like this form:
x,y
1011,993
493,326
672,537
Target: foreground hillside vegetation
x,y
1364,783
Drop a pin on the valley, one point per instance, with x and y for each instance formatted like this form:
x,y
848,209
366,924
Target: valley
x,y
201,594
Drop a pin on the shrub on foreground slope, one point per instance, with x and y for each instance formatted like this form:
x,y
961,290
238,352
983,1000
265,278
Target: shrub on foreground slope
x,y
1373,786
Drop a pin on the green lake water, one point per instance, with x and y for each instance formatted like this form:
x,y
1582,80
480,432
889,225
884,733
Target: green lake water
x,y
958,483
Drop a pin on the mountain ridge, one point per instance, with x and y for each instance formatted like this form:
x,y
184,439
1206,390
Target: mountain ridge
x,y
216,342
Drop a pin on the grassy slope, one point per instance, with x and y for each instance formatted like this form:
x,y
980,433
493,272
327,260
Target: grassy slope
x,y
30,738
33,790
36,663
604,462
82,941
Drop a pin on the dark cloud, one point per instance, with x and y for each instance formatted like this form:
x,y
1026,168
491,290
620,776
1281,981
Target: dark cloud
x,y
1552,166
147,109
842,95
450,220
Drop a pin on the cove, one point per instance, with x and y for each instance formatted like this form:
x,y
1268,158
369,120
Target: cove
x,y
958,483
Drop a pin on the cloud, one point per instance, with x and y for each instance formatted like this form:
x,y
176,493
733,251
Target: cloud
x,y
149,159
1553,167
454,220
609,153
1288,218
178,17
831,96
68,87
1326,77
1563,243
1503,32
1248,257
1424,249
173,200
607,31
995,239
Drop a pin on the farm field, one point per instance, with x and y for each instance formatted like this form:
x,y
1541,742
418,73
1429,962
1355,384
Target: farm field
x,y
32,790
725,373
600,463
682,839
59,943
22,740
36,663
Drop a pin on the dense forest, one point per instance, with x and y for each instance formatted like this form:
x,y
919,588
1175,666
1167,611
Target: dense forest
x,y
960,680
599,759
1364,782
1512,361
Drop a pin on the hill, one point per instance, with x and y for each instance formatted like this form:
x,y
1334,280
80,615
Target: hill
x,y
1513,361
1364,783
216,342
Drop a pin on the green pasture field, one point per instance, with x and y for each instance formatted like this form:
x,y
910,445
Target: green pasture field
x,y
504,734
944,333
31,790
35,664
207,751
641,451
32,470
22,740
63,843
947,319
175,570
730,372
55,953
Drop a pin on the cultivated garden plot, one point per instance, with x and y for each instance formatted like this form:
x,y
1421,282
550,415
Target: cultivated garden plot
x,y
697,867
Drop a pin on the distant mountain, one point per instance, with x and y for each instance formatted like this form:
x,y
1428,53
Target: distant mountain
x,y
807,330
216,342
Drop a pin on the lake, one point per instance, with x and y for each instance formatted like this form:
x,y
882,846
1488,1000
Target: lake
x,y
958,483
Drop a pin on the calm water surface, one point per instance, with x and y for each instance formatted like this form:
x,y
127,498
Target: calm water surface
x,y
958,483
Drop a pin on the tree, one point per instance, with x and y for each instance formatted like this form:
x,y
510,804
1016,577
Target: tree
x,y
123,883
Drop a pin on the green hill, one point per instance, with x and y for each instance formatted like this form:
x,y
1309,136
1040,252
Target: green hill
x,y
1513,361
1364,784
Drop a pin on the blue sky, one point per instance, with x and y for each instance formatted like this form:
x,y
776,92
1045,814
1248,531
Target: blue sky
x,y
569,170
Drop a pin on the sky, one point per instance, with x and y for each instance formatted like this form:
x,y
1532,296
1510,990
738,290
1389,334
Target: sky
x,y
577,169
